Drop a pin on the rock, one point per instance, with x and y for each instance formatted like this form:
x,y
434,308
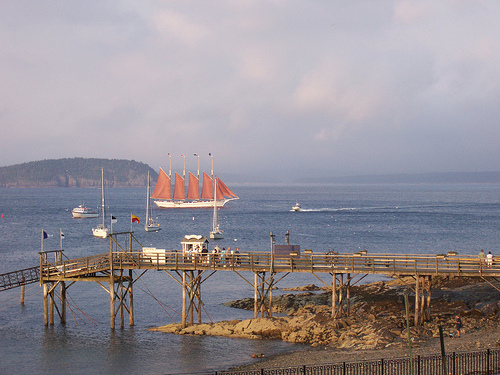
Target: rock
x,y
377,318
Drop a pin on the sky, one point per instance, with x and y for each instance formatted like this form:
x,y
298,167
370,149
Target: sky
x,y
288,89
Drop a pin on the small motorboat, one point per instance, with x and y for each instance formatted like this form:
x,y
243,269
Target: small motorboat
x,y
296,207
81,212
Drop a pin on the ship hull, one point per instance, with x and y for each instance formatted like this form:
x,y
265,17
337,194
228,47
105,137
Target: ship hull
x,y
189,204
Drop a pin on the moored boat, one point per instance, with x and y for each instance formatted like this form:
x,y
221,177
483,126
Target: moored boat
x,y
101,230
216,232
82,212
151,225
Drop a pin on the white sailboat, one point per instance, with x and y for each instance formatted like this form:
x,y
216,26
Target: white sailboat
x,y
216,232
101,230
151,225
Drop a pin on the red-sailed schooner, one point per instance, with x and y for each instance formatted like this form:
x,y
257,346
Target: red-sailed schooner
x,y
163,198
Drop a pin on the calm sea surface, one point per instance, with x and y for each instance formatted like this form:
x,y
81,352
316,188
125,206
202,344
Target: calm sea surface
x,y
416,219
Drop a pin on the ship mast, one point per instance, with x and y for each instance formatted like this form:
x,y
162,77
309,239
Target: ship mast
x,y
198,175
212,171
184,169
170,166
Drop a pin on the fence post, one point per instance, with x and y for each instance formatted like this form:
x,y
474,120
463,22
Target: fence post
x,y
488,362
382,366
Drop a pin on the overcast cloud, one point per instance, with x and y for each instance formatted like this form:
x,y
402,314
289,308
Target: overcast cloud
x,y
300,87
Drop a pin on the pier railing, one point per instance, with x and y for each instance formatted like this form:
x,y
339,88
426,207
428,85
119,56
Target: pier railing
x,y
477,362
388,264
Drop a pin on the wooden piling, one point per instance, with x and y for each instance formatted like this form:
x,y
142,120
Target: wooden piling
x,y
183,323
255,296
334,296
63,302
131,298
417,301
45,305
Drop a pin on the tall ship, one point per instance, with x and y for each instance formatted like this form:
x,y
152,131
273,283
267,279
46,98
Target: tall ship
x,y
212,186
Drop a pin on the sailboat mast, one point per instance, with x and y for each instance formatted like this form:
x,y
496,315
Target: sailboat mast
x,y
102,196
147,205
214,221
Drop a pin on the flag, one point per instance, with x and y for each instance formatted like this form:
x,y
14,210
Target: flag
x,y
182,154
134,218
62,235
113,219
45,235
195,154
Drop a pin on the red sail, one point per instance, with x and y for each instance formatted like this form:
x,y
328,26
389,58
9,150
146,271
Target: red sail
x,y
206,189
162,188
220,194
224,189
179,187
193,187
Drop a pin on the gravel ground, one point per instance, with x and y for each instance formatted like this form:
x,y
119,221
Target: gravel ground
x,y
482,338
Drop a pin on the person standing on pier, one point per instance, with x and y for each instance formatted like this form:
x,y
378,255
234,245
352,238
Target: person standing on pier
x,y
481,257
489,259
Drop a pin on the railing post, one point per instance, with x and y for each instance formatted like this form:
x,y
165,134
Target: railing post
x,y
488,362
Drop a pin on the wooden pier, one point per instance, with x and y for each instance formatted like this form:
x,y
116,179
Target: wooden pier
x,y
113,271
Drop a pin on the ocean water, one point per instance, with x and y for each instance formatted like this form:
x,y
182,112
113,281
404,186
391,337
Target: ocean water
x,y
415,219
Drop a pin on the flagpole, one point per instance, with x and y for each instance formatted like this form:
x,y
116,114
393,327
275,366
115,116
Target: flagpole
x,y
60,237
131,222
42,240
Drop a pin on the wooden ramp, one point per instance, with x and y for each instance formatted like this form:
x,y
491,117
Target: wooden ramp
x,y
19,278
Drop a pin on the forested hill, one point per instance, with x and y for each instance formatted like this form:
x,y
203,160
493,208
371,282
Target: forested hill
x,y
76,172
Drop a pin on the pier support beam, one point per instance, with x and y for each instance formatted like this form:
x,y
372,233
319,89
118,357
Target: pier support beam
x,y
263,289
341,295
50,302
191,296
121,298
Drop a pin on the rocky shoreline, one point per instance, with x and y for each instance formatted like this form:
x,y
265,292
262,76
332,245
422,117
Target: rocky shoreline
x,y
376,324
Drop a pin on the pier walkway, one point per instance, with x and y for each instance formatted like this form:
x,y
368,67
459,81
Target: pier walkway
x,y
190,270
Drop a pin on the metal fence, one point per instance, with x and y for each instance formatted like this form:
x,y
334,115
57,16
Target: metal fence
x,y
485,362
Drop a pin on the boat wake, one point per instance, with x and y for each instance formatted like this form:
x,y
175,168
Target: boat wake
x,y
373,208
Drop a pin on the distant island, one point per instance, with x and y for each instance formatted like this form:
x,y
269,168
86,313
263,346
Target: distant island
x,y
76,172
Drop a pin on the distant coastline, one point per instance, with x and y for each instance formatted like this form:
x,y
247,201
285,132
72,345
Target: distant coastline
x,y
85,172
76,172
416,178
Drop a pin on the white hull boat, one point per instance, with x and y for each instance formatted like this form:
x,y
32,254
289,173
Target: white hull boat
x,y
296,207
100,232
82,212
190,204
163,197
